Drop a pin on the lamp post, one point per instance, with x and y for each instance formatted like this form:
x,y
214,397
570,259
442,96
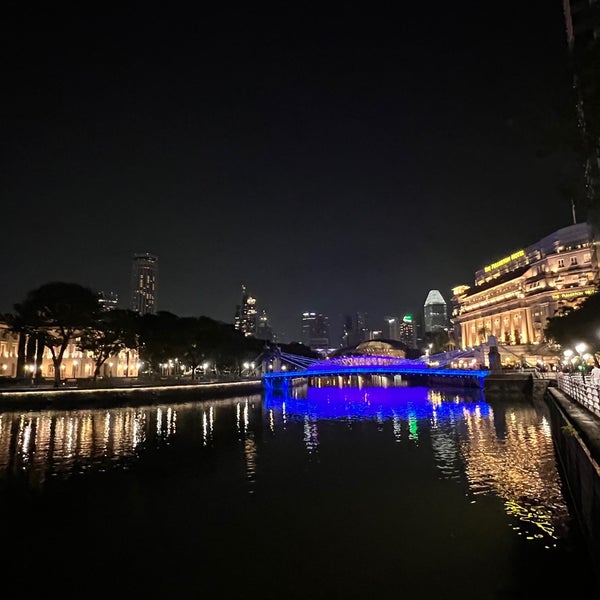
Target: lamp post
x,y
581,348
567,354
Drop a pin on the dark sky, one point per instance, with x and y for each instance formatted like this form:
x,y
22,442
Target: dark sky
x,y
332,160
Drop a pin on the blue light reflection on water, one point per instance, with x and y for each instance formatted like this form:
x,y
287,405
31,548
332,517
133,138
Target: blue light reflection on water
x,y
377,402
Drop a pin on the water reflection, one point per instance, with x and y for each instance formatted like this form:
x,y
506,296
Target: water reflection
x,y
503,451
506,451
39,445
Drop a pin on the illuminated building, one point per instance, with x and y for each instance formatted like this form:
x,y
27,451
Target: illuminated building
x,y
9,345
435,313
245,314
513,297
354,329
315,331
144,283
408,332
108,300
393,328
76,364
263,329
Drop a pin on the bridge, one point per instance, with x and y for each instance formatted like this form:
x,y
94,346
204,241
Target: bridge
x,y
281,369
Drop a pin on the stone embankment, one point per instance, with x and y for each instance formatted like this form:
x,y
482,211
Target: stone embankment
x,y
576,435
32,398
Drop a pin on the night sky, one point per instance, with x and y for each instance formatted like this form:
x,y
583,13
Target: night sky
x,y
332,160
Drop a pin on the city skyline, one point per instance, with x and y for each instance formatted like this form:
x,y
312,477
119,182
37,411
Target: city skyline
x,y
336,163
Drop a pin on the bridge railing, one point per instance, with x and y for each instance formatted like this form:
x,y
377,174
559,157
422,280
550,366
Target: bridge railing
x,y
581,389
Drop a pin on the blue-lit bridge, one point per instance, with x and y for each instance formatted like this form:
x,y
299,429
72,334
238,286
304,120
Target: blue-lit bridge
x,y
282,369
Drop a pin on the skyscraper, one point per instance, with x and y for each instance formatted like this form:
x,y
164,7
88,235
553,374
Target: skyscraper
x,y
263,328
144,283
408,332
315,331
354,329
108,300
434,313
392,329
245,314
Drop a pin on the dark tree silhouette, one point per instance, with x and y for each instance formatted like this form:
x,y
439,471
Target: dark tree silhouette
x,y
577,324
56,313
113,331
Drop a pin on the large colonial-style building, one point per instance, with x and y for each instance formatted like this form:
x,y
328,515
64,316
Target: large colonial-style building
x,y
513,297
76,364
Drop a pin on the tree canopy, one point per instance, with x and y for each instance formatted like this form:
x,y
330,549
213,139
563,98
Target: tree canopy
x,y
577,324
56,313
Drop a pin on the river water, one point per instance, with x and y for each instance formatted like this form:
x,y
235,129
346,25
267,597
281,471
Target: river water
x,y
375,492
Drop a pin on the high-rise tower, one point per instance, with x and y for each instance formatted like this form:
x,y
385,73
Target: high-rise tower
x,y
263,328
315,331
144,283
108,300
245,314
408,331
435,313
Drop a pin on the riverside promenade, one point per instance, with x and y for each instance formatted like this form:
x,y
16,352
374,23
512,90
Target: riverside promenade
x,y
128,392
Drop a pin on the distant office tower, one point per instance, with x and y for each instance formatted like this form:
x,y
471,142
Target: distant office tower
x,y
245,314
108,300
434,313
354,329
392,328
263,329
144,283
346,330
408,332
315,331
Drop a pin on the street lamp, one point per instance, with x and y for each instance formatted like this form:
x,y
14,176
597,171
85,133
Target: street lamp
x,y
581,348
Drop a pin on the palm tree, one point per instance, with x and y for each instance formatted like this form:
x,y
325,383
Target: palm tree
x,y
483,333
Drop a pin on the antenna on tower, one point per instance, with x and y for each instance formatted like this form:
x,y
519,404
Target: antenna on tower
x,y
573,211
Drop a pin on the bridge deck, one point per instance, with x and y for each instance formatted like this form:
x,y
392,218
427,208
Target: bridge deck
x,y
275,379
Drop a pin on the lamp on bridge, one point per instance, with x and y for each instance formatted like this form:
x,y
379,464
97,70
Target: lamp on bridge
x,y
581,348
568,353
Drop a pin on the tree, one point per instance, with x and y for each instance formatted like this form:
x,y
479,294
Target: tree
x,y
113,331
197,339
577,324
56,313
158,338
483,333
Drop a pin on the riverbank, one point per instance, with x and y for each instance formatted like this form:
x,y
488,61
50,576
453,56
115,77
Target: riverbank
x,y
32,398
576,435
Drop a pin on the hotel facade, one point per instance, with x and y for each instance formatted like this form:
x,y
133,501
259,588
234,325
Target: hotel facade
x,y
514,297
